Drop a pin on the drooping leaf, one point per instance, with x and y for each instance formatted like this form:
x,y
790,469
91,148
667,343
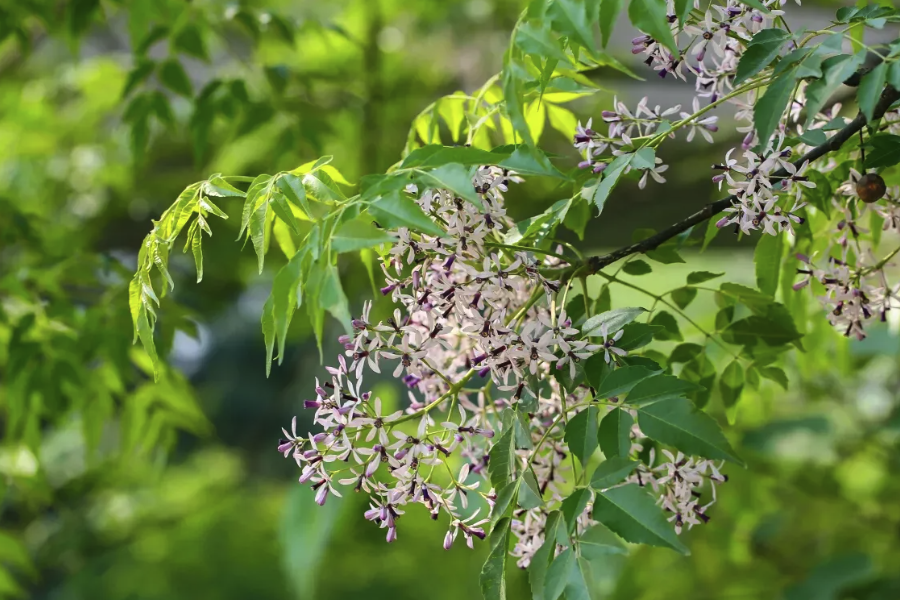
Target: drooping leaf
x,y
609,13
614,434
598,194
573,507
637,267
835,70
660,387
536,38
768,110
870,88
581,434
570,18
731,383
357,234
650,17
701,276
677,423
612,471
633,514
537,570
558,574
767,257
500,465
761,51
396,210
493,573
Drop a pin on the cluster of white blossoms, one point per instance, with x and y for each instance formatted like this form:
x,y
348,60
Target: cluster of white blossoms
x,y
477,332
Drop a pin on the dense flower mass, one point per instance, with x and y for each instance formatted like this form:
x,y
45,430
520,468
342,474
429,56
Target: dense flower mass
x,y
479,332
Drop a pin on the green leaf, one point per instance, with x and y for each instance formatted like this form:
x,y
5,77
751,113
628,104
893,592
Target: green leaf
x,y
661,387
614,434
767,112
558,574
835,70
599,542
197,251
531,161
258,230
573,507
683,8
775,374
683,296
189,40
768,262
731,383
507,498
650,17
622,380
885,151
570,19
637,335
677,423
395,210
755,4
454,178
645,158
500,464
637,267
493,573
633,514
598,194
613,319
435,155
609,13
669,327
775,328
870,88
581,434
173,76
701,276
513,90
684,353
357,234
612,471
536,38
529,492
761,51
537,570
143,68
580,581
282,210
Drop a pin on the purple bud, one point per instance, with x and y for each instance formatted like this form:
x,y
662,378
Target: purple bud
x,y
600,167
448,540
662,73
311,404
609,115
641,39
484,432
584,164
479,359
477,532
713,128
718,178
748,141
306,474
803,258
415,278
483,372
282,448
322,495
800,285
449,262
372,514
401,453
391,534
320,437
756,18
638,49
320,391
722,222
388,289
702,54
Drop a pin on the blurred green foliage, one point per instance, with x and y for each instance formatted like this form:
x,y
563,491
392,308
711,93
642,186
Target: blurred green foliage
x,y
116,487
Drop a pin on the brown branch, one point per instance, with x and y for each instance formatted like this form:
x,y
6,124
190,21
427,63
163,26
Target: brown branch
x,y
594,264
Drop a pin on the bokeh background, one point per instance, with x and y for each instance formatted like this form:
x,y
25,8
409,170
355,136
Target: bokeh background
x,y
179,493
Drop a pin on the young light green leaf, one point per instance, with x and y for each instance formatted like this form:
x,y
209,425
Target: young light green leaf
x,y
650,17
660,387
357,234
767,257
633,514
614,434
396,210
513,89
679,424
612,471
282,210
581,434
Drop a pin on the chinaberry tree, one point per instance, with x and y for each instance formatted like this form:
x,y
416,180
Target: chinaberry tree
x,y
516,373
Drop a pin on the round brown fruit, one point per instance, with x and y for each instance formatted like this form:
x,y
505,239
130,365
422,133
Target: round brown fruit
x,y
870,188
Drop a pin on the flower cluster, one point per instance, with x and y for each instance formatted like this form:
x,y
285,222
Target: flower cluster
x,y
477,332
